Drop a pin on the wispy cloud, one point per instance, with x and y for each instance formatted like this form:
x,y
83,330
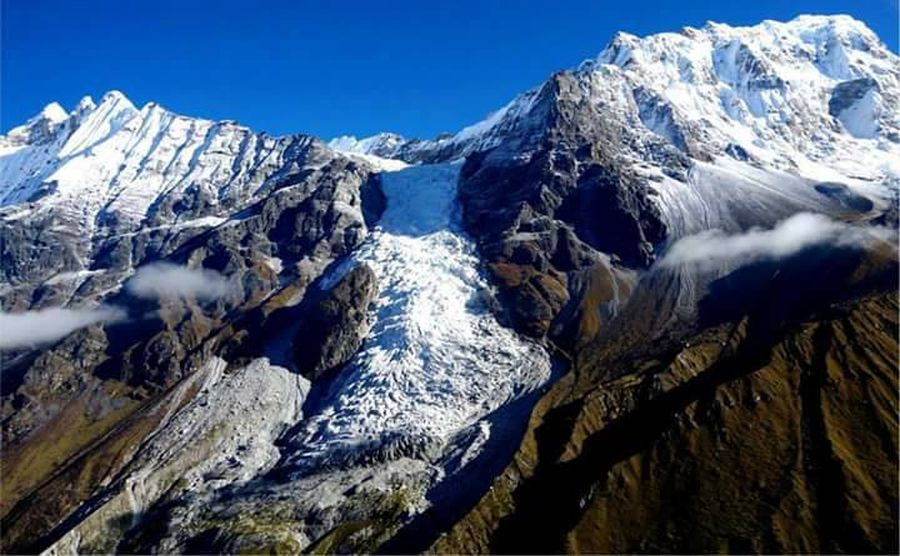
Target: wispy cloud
x,y
32,328
790,236
169,281
154,281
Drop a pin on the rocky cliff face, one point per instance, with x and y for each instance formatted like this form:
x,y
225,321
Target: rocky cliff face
x,y
335,323
274,344
269,213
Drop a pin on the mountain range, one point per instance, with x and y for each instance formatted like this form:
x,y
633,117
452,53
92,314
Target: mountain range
x,y
649,305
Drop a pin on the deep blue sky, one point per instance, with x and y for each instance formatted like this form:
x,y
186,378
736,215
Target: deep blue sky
x,y
415,67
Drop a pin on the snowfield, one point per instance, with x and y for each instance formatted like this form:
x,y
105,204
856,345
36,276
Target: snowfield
x,y
436,360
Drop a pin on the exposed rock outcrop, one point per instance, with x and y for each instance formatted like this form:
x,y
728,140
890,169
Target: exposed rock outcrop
x,y
67,404
335,323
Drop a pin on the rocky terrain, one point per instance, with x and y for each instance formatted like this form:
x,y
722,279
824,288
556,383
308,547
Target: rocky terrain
x,y
649,305
77,411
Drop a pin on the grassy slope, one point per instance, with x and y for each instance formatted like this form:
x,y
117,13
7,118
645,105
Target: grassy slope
x,y
753,436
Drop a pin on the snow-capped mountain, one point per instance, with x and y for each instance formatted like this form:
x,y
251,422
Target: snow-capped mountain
x,y
110,162
391,309
107,185
806,96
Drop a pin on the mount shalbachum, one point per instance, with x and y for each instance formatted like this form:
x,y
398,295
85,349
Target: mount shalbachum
x,y
649,305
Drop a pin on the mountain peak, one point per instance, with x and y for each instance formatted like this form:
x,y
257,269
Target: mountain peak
x,y
799,24
380,144
822,20
40,127
53,112
85,104
809,29
117,99
94,123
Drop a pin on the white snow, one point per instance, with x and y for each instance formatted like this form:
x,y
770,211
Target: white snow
x,y
861,118
380,164
766,88
54,112
436,360
71,276
381,142
114,158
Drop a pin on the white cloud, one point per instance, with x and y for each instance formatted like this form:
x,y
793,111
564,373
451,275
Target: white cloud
x,y
166,281
790,236
154,281
18,330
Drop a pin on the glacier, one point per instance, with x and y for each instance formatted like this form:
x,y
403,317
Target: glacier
x,y
436,360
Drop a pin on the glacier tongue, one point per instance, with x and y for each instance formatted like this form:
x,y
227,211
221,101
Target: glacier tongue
x,y
436,360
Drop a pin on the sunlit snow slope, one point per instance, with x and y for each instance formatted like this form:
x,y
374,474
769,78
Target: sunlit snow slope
x,y
113,163
436,359
817,97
